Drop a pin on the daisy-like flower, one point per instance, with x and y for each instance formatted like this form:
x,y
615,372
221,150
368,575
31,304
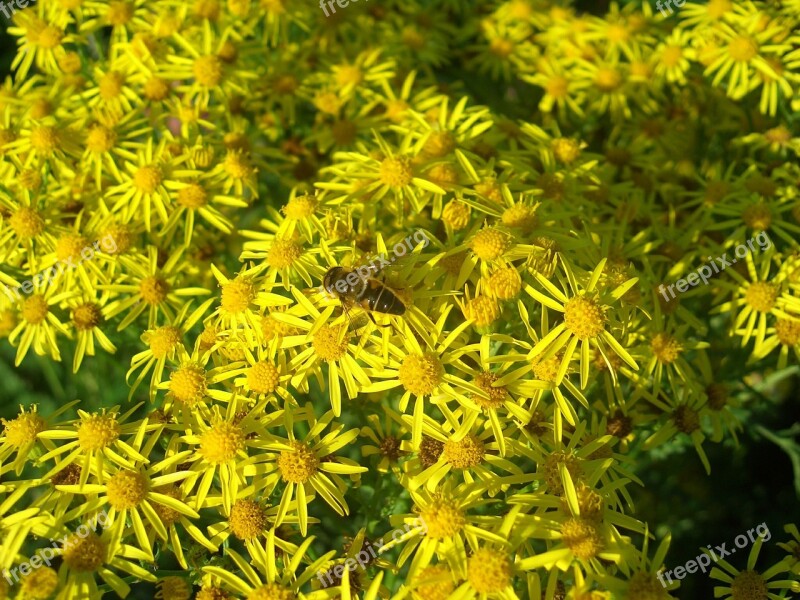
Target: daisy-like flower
x,y
744,52
561,90
331,345
162,343
420,369
673,58
199,196
249,519
444,525
393,170
388,439
95,438
146,181
310,463
490,569
89,556
131,496
265,375
272,578
683,411
646,580
20,435
88,317
38,325
150,287
467,451
756,298
40,43
204,67
749,581
792,547
220,446
586,315
289,257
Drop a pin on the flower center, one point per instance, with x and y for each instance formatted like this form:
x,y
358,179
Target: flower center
x,y
327,345
283,253
761,296
300,207
749,585
439,143
456,214
119,13
434,583
566,150
584,317
743,48
153,290
69,246
110,85
607,80
645,586
156,89
147,179
24,429
236,164
237,295
468,452
489,571
396,172
27,223
757,216
192,196
430,450
248,519
97,432
271,591
127,489
45,139
100,139
582,537
162,340
665,347
188,384
87,316
35,309
208,71
39,584
221,442
490,244
497,395
298,464
420,374
443,518
263,377
788,331
483,309
686,419
84,554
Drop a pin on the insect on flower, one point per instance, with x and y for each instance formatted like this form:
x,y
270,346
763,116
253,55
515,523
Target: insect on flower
x,y
358,286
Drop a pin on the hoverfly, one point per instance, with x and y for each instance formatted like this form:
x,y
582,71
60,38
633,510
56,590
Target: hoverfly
x,y
351,286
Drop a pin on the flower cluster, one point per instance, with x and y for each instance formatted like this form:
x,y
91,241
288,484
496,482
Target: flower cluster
x,y
238,150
